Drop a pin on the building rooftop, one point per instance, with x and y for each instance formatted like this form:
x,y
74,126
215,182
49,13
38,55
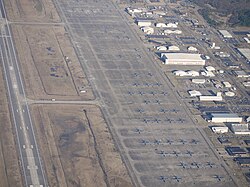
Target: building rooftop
x,y
235,151
183,56
245,52
225,34
144,19
225,115
243,160
239,128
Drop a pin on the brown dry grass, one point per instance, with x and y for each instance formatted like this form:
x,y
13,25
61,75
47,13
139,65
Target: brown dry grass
x,y
46,72
79,149
33,11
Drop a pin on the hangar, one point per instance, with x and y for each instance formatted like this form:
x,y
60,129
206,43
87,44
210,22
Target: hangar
x,y
182,59
224,117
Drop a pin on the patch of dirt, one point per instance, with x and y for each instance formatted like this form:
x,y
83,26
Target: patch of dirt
x,y
77,147
32,10
49,64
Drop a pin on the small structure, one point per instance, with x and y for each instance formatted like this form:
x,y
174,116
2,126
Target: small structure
x,y
182,59
194,93
239,128
227,84
148,30
168,31
161,48
191,48
144,22
160,25
241,74
224,117
180,73
229,94
159,12
210,68
207,73
216,97
173,48
247,40
199,81
193,73
132,11
172,25
246,83
224,141
220,130
225,34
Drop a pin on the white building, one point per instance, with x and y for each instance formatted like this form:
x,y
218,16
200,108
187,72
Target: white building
x,y
182,59
132,11
180,73
225,117
160,25
199,81
246,84
168,31
226,84
191,48
194,93
144,22
161,48
220,130
245,52
216,97
210,68
225,34
148,30
193,73
239,128
229,94
173,48
207,73
247,40
172,25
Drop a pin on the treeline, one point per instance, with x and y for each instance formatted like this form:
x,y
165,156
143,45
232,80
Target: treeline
x,y
238,9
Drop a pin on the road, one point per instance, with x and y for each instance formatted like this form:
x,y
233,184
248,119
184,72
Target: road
x,y
29,155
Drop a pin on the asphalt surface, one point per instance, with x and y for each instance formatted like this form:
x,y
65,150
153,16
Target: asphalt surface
x,y
29,157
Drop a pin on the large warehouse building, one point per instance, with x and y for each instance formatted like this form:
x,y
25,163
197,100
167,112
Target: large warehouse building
x,y
224,117
245,52
182,59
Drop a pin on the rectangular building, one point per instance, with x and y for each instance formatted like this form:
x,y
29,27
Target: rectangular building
x,y
239,128
225,34
182,59
144,22
236,151
220,129
216,97
243,161
245,52
225,117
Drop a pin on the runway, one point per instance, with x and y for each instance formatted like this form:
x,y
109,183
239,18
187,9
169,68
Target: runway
x,y
29,156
